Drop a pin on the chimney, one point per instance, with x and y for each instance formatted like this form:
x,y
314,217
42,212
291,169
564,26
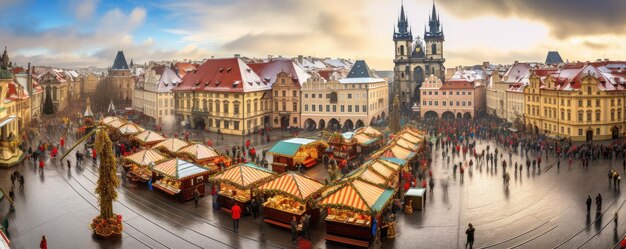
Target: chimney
x,y
515,62
606,59
237,55
29,80
300,57
485,64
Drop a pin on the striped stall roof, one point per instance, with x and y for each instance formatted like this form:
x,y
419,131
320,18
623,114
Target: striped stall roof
x,y
410,137
116,123
199,151
368,130
405,143
245,175
355,194
109,119
145,157
171,144
149,136
179,169
394,150
131,129
364,139
293,184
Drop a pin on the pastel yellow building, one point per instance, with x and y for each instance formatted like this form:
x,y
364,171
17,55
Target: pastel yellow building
x,y
584,101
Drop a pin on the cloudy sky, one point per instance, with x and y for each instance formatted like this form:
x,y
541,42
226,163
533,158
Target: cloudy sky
x,y
71,33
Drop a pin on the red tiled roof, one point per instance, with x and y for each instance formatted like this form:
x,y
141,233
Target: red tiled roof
x,y
17,70
454,84
326,73
269,70
223,75
184,67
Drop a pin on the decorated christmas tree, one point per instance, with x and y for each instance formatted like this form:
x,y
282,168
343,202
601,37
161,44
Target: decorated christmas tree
x,y
107,224
394,116
48,107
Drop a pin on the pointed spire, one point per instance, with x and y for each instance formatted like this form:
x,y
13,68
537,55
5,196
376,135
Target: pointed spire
x,y
88,112
434,14
402,16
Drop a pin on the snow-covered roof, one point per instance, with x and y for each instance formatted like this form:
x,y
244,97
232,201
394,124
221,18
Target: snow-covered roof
x,y
169,79
360,80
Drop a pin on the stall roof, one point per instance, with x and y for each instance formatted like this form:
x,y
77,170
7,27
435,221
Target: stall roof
x,y
358,195
293,184
109,119
145,157
364,139
415,192
179,169
243,175
116,123
199,151
130,128
368,130
289,147
149,136
171,144
397,161
396,151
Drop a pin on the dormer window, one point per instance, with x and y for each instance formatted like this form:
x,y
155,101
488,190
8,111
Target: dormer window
x,y
207,83
197,82
221,69
228,70
217,83
248,70
249,82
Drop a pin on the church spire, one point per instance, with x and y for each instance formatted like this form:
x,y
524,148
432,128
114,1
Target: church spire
x,y
403,31
434,25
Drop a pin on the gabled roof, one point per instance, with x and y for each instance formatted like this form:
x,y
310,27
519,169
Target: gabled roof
x,y
361,70
168,80
120,62
268,70
515,72
223,75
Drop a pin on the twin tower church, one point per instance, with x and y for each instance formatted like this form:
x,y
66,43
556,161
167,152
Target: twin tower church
x,y
416,58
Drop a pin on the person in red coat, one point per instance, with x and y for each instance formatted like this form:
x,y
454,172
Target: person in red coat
x,y
93,155
236,214
43,244
41,164
62,142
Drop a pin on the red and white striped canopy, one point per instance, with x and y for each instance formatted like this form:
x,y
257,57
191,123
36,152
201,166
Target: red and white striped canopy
x,y
149,136
199,151
130,129
172,145
244,175
293,184
355,194
145,157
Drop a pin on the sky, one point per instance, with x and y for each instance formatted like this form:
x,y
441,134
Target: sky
x,y
78,33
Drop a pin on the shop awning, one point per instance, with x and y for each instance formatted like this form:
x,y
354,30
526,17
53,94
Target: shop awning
x,y
394,151
178,169
116,123
243,175
358,195
289,147
145,157
109,119
199,152
130,129
171,144
294,185
149,136
6,121
368,130
363,139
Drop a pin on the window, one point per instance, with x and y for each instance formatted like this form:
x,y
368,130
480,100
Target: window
x,y
284,93
436,93
356,108
589,90
284,106
580,103
451,103
619,102
327,108
275,93
444,93
598,102
276,105
597,131
598,116
457,103
248,109
349,108
457,93
236,107
588,102
236,125
306,95
313,96
334,108
364,108
217,106
469,103
424,104
463,103
469,93
328,96
612,115
589,116
342,108
462,93
580,132
282,81
295,106
580,116
319,107
349,95
562,100
217,123
430,103
562,114
312,108
226,124
619,114
436,103
443,102
295,120
306,108
294,93
319,95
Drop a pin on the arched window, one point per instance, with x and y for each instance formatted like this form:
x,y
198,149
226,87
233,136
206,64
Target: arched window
x,y
204,105
401,49
434,48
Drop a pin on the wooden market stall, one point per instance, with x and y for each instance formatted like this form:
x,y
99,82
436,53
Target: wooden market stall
x,y
341,146
236,184
148,138
204,156
287,153
354,207
170,146
394,150
179,178
416,197
138,165
381,172
368,139
292,195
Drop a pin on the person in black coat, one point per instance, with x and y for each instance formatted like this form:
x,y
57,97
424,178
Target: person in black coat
x,y
588,203
470,236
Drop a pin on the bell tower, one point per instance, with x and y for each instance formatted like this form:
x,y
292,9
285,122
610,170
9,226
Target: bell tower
x,y
402,37
434,38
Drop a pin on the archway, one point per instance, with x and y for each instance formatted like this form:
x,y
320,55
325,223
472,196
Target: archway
x,y
615,132
431,114
589,135
459,115
348,124
536,130
382,115
334,124
373,121
199,123
467,115
529,127
447,115
310,124
359,124
322,124
284,122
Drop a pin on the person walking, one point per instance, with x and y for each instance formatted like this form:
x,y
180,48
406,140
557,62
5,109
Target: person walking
x,y
196,196
41,164
588,203
69,165
599,203
22,181
615,220
470,236
43,244
236,214
558,164
294,229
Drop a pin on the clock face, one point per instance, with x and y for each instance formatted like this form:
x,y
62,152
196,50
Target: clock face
x,y
417,49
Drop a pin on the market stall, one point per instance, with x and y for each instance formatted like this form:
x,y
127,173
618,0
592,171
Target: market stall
x,y
341,145
137,165
381,172
292,195
236,183
130,129
109,119
287,153
354,211
394,150
416,197
148,138
170,146
179,178
368,139
204,156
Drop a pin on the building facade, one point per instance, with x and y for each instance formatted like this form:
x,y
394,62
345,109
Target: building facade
x,y
154,97
461,96
497,103
121,81
286,78
357,100
88,83
416,59
583,101
225,96
10,154
55,86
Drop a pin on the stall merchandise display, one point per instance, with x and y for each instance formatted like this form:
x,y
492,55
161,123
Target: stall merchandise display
x,y
348,217
172,185
235,193
285,204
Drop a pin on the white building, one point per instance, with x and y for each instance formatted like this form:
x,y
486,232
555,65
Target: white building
x,y
154,97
